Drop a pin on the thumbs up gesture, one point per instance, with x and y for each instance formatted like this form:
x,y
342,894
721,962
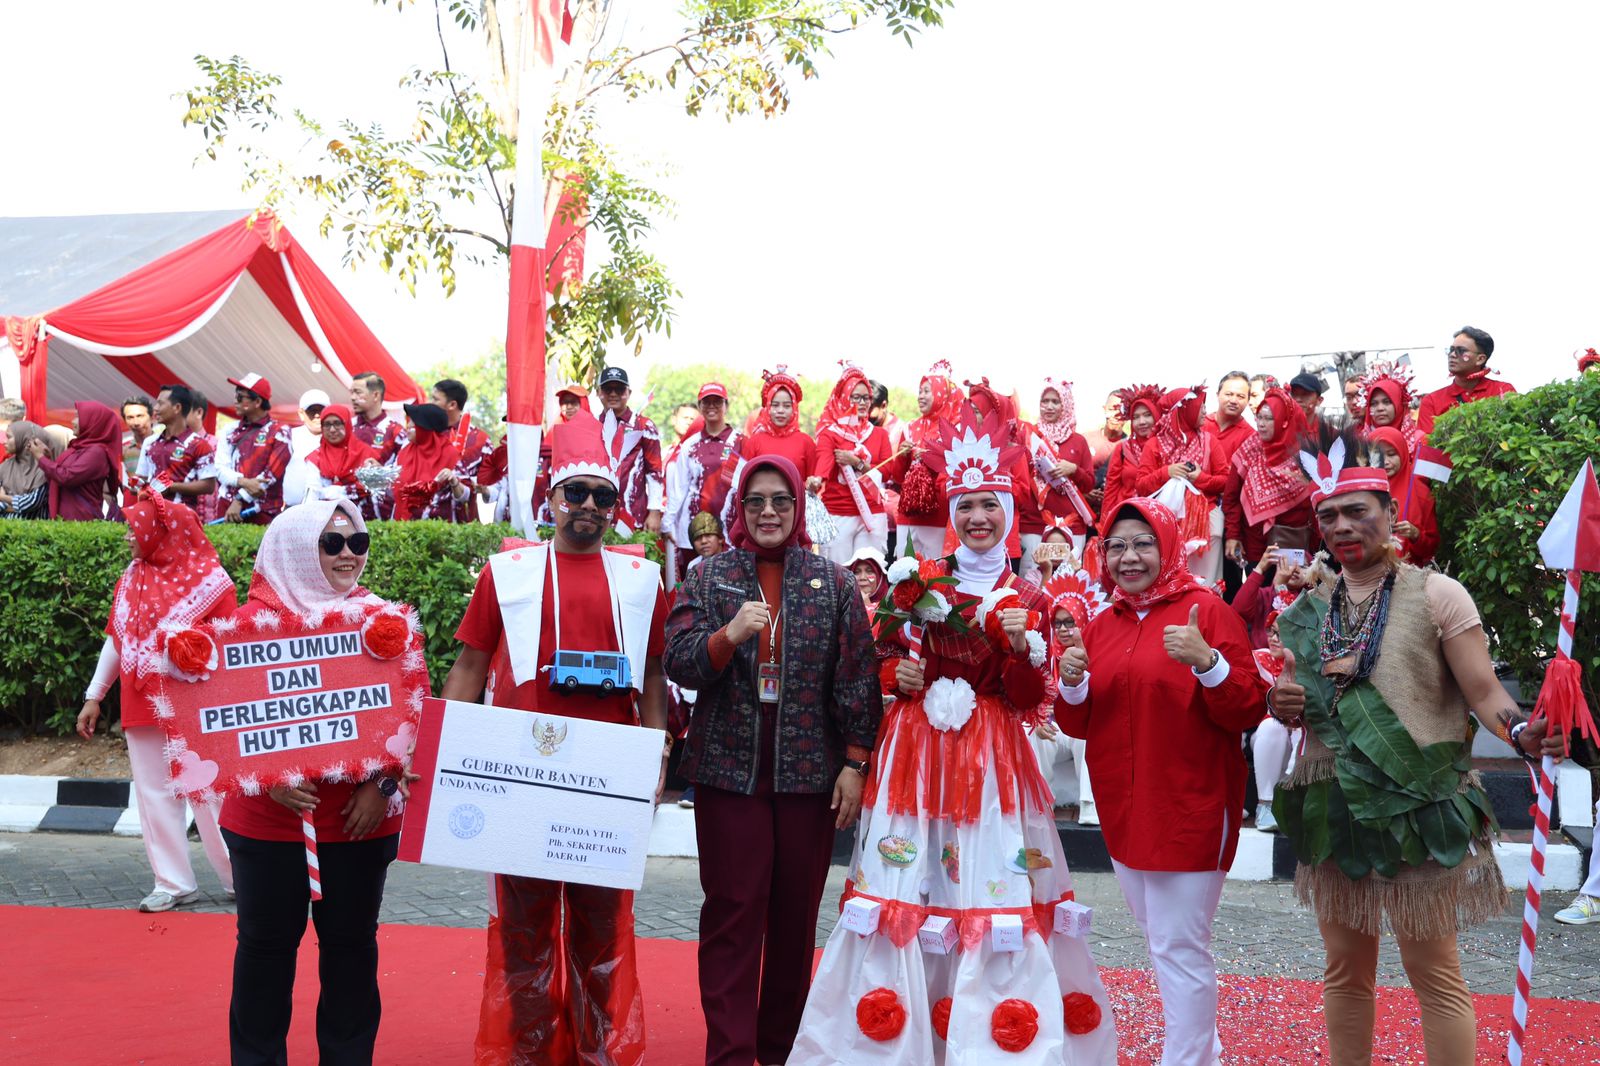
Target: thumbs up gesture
x,y
1288,698
1186,645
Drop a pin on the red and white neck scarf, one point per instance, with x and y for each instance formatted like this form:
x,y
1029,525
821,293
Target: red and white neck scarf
x,y
1174,578
1058,431
1270,470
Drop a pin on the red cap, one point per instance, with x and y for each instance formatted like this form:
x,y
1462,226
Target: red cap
x,y
255,383
713,388
577,448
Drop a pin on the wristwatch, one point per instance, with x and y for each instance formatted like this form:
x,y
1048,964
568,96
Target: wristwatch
x,y
388,785
858,765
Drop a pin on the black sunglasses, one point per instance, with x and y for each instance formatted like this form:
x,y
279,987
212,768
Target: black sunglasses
x,y
334,543
605,497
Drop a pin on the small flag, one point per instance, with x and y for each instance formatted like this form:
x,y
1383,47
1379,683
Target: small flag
x,y
1433,463
1571,541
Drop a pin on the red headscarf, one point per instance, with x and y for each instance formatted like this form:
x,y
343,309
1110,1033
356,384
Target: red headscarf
x,y
174,581
99,433
1133,398
775,380
339,463
1396,440
946,404
1270,470
739,535
1400,396
1179,427
839,414
1058,431
425,455
1173,578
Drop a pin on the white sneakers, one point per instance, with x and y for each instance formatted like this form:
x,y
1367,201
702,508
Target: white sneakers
x,y
1087,815
1264,819
1582,911
158,901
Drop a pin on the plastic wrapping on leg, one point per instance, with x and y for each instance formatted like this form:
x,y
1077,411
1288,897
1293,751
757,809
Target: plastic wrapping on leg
x,y
605,1004
523,1017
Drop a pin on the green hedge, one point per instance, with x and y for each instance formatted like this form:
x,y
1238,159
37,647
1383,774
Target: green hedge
x,y
59,578
1514,460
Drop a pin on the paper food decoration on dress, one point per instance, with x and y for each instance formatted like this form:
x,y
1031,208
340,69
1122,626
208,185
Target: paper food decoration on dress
x,y
250,704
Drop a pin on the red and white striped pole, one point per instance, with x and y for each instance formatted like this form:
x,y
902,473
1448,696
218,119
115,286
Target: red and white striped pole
x,y
313,865
913,633
1541,840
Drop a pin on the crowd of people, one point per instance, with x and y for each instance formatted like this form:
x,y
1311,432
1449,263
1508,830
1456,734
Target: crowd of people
x,y
1156,595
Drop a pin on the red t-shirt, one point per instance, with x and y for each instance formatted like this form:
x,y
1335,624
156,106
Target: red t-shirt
x,y
586,625
1227,439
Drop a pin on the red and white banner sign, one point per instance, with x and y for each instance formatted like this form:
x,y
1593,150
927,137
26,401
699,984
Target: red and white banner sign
x,y
251,704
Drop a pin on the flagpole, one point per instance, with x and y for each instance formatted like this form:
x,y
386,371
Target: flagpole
x,y
1411,481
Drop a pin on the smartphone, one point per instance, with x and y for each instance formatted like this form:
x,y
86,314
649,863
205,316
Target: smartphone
x,y
1291,557
1052,552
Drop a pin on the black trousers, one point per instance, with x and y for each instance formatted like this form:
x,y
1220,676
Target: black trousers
x,y
270,879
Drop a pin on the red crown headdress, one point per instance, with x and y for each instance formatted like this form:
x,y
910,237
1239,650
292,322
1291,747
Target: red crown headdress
x,y
779,378
1330,477
974,453
577,449
1587,357
1079,594
1133,395
941,369
1399,373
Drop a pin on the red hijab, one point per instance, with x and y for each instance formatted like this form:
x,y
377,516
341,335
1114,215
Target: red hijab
x,y
1173,578
1398,395
946,405
1178,429
427,453
777,379
176,580
99,434
1396,440
339,464
739,535
1270,470
839,414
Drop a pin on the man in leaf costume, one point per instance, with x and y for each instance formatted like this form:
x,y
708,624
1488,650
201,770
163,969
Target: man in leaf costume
x,y
1385,670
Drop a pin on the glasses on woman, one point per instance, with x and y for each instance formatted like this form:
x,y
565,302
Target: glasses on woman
x,y
575,493
782,503
861,399
334,543
1115,546
1065,623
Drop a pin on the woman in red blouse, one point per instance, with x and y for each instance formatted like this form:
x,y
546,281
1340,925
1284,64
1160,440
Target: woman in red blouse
x,y
1140,407
1416,526
1163,686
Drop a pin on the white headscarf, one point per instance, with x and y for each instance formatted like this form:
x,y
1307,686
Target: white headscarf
x,y
977,572
290,559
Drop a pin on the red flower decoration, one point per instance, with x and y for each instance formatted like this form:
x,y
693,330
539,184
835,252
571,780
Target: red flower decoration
x,y
1014,1023
386,635
941,1018
880,1015
907,593
929,569
191,651
1081,1012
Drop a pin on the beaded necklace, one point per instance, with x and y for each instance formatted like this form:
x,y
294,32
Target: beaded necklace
x,y
1349,655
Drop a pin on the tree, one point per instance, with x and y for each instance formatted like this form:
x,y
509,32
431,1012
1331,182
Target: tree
x,y
485,379
414,202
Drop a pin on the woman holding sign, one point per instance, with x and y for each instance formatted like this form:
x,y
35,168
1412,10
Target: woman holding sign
x,y
308,565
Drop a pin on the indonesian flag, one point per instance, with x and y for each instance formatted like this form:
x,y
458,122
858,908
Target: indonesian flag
x,y
1433,463
1571,540
525,348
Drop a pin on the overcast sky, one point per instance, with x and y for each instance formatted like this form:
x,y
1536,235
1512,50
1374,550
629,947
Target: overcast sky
x,y
1114,192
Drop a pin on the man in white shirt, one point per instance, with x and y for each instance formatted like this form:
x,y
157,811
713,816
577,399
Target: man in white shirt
x,y
303,440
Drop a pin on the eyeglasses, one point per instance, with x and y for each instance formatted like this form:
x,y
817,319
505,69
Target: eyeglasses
x,y
1064,623
613,389
1141,545
859,398
782,503
605,497
1456,349
334,543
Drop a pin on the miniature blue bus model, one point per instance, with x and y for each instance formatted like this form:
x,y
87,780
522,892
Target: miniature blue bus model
x,y
598,671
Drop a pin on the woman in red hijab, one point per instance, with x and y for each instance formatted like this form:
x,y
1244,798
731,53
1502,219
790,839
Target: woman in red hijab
x,y
1141,406
1267,491
775,429
419,491
920,516
89,471
1387,388
1184,457
767,631
339,455
850,452
174,581
1163,687
1416,526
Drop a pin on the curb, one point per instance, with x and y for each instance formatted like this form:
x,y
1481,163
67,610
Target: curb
x,y
105,806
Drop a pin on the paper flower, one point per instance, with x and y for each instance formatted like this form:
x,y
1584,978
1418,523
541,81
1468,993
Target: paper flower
x,y
906,594
949,703
385,635
192,654
938,611
902,568
1036,648
1081,1012
941,1018
1014,1024
880,1015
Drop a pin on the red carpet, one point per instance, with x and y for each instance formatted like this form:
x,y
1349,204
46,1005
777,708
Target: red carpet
x,y
96,988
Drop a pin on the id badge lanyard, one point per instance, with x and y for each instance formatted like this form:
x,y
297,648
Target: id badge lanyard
x,y
769,675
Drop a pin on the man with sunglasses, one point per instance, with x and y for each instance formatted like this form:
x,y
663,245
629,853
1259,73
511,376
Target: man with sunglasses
x,y
701,474
634,446
561,973
1469,353
255,455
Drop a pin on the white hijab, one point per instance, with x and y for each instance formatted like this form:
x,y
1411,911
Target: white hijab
x,y
290,559
977,572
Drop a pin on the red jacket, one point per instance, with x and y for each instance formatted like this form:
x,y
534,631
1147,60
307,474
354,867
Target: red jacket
x,y
1452,395
1165,751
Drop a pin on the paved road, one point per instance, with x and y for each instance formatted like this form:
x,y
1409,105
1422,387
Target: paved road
x,y
1260,930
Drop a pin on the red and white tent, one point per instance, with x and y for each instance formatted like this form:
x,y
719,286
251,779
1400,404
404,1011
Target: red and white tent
x,y
97,307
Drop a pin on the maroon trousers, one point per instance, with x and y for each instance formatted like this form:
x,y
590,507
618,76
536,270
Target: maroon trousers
x,y
763,866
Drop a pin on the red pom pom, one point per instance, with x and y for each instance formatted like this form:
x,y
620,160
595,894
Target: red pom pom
x,y
880,1015
907,593
1081,1012
190,651
919,492
941,1018
1014,1023
386,635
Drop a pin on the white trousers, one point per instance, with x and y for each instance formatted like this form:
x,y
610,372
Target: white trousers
x,y
1175,911
1207,565
1085,790
1272,749
164,818
854,534
1591,887
926,541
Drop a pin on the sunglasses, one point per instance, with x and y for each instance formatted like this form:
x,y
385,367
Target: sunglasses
x,y
605,497
334,543
1456,349
756,503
